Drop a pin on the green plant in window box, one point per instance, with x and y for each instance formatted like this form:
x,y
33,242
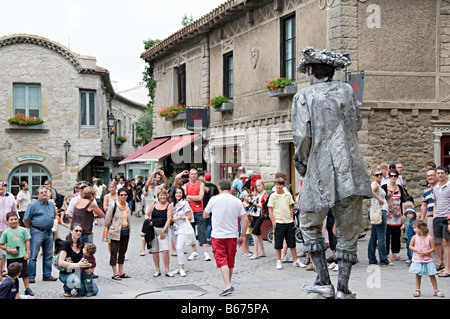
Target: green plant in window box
x,y
218,101
139,140
172,111
122,139
277,84
22,119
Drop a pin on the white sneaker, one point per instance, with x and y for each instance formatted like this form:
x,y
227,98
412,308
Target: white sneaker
x,y
279,265
193,256
298,263
182,273
336,268
332,265
206,256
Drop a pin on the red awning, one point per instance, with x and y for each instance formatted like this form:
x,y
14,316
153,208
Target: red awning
x,y
147,148
171,146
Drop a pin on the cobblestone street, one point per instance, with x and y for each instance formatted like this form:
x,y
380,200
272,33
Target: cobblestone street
x,y
252,279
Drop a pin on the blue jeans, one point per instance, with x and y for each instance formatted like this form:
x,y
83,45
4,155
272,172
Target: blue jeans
x,y
87,284
80,291
201,227
378,235
45,240
87,238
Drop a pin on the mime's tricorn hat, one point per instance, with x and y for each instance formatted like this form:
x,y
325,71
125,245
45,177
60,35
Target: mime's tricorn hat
x,y
313,56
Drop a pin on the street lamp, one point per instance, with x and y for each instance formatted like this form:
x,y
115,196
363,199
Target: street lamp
x,y
66,149
111,120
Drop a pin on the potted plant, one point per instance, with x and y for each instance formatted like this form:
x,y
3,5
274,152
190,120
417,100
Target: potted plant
x,y
173,112
139,140
221,103
121,139
112,131
280,86
22,120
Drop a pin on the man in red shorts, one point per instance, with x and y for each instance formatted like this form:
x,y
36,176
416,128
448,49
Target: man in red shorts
x,y
226,210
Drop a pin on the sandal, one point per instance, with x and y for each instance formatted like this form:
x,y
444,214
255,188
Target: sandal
x,y
443,274
417,293
116,277
124,275
437,293
67,294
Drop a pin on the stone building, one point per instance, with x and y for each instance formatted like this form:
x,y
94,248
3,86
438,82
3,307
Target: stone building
x,y
402,46
42,78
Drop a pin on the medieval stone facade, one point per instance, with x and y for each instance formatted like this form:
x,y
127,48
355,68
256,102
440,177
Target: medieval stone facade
x,y
73,96
402,46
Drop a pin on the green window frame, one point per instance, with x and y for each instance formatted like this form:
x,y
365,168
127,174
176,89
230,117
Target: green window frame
x,y
27,99
288,47
35,175
88,109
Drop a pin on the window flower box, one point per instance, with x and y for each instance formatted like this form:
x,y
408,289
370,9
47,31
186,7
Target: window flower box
x,y
279,87
173,113
121,139
176,117
288,90
227,106
36,128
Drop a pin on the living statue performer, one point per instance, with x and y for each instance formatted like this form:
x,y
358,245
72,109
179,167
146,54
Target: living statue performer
x,y
325,123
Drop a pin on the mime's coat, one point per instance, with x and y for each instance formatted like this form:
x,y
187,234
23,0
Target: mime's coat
x,y
325,122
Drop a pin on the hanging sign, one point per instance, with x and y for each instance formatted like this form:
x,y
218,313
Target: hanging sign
x,y
356,81
197,119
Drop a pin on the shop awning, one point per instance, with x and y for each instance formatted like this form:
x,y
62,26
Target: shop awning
x,y
147,148
174,144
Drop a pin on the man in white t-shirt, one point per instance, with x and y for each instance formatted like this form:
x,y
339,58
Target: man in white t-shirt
x,y
23,200
225,229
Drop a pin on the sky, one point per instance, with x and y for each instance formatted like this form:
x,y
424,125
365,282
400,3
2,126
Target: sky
x,y
113,31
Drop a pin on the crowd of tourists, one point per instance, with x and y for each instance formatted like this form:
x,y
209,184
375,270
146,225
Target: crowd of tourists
x,y
192,209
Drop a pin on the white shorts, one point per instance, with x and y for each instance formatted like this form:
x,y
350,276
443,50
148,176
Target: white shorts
x,y
159,244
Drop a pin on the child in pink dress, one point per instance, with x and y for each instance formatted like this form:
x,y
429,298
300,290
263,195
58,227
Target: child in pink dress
x,y
422,264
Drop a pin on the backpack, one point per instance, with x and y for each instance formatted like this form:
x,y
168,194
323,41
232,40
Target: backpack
x,y
264,202
253,180
59,201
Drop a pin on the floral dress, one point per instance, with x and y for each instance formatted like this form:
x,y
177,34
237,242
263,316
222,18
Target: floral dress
x,y
394,214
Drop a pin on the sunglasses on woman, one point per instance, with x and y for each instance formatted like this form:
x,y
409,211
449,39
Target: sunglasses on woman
x,y
378,175
393,176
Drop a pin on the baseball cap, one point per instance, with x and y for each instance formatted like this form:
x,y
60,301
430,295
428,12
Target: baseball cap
x,y
208,176
82,184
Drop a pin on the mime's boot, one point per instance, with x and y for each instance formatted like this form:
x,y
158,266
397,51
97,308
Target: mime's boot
x,y
345,268
322,285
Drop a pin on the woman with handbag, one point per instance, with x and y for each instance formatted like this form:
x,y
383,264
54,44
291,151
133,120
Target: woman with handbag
x,y
117,221
395,218
378,219
182,214
161,214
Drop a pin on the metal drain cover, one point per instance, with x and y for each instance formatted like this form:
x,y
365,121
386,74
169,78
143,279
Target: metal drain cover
x,y
175,292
